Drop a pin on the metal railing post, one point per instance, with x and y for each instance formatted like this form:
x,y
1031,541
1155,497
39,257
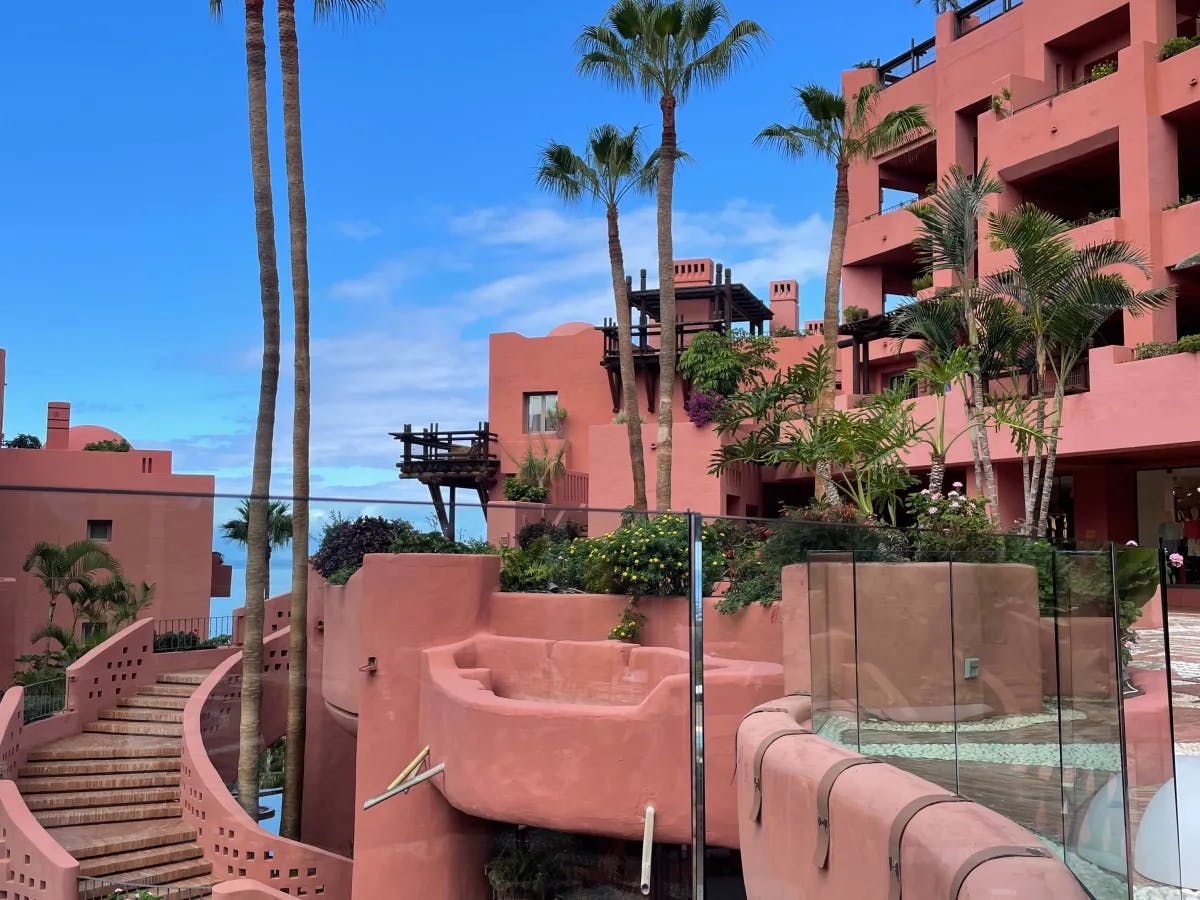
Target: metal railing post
x,y
696,678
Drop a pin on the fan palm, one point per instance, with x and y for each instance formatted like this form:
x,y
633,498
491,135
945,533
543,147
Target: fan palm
x,y
665,49
280,531
842,133
948,239
67,569
610,168
1064,295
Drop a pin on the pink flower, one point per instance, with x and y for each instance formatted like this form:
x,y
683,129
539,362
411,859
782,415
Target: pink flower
x,y
933,509
1176,560
1131,543
958,485
954,504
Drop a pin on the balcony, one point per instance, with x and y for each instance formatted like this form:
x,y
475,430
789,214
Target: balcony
x,y
878,238
1179,83
647,345
1181,228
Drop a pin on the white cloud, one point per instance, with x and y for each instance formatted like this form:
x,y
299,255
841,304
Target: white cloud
x,y
419,355
376,284
358,229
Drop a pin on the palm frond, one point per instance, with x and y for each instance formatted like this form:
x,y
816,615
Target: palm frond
x,y
797,141
215,9
724,57
894,129
948,231
348,10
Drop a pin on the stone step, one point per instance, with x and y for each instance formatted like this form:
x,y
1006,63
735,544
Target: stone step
x,y
67,768
191,876
167,690
192,678
136,812
154,701
108,747
142,714
112,782
106,866
87,841
85,798
159,729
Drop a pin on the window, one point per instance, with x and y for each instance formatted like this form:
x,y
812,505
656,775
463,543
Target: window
x,y
99,529
537,406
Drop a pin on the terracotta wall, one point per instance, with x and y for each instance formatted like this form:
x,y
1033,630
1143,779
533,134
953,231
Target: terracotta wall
x,y
235,844
245,889
37,868
777,850
159,539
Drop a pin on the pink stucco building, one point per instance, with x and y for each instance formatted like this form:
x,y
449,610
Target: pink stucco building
x,y
1011,83
157,523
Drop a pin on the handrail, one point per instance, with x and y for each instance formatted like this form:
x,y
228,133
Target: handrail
x,y
640,335
913,56
406,786
43,699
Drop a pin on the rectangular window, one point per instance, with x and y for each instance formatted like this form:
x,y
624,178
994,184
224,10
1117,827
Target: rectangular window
x,y
537,407
99,529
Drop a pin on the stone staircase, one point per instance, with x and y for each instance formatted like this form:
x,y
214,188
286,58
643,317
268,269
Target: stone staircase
x,y
110,796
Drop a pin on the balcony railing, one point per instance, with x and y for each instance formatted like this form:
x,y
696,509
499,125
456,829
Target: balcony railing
x,y
647,340
917,57
983,11
45,698
434,450
204,633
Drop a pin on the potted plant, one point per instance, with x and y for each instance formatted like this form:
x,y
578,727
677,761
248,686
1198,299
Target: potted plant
x,y
556,418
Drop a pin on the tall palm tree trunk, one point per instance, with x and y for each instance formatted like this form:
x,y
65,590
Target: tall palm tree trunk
x,y
985,452
260,481
1051,458
297,695
629,398
668,151
832,313
937,472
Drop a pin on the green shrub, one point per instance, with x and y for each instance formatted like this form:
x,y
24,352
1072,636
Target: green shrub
x,y
922,282
952,527
544,566
345,542
342,575
518,491
1177,45
109,446
1183,201
754,562
566,532
1187,344
716,363
1102,69
24,442
784,331
646,556
853,314
1040,555
629,629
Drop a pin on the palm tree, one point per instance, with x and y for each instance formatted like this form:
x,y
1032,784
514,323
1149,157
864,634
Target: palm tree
x,y
842,136
1064,295
940,6
939,372
289,62
665,48
268,389
610,168
948,239
280,532
64,570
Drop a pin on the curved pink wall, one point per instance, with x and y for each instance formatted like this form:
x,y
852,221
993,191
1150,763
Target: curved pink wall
x,y
236,845
610,719
246,889
777,852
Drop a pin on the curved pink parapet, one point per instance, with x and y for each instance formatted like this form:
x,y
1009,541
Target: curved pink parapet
x,y
246,889
525,725
234,843
778,848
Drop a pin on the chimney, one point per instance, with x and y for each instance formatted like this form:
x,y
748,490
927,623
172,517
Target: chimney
x,y
690,272
785,305
58,424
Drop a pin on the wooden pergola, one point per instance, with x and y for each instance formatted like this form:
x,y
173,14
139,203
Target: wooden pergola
x,y
450,459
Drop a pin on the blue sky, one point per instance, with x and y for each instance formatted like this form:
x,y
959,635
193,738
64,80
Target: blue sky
x,y
130,277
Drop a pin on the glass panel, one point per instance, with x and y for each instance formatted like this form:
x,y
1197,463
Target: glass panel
x,y
1005,674
1094,812
1150,762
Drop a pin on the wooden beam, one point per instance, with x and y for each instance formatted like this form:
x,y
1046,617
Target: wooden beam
x,y
439,506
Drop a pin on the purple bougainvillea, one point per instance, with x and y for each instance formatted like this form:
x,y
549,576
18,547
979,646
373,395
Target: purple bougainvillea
x,y
703,408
